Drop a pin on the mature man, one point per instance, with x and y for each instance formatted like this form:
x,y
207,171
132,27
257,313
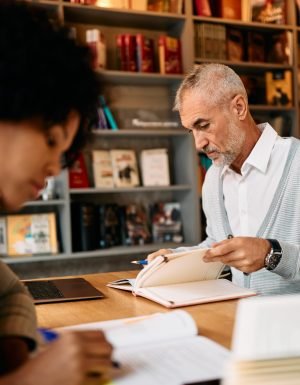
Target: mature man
x,y
252,189
48,93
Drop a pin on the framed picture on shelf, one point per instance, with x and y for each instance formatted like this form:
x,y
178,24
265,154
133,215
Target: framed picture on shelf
x,y
29,234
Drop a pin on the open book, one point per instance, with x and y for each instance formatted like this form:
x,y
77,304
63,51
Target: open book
x,y
182,279
162,348
266,342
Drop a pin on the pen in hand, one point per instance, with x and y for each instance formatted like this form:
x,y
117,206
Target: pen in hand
x,y
140,262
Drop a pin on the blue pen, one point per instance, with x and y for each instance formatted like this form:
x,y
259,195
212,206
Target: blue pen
x,y
140,262
48,335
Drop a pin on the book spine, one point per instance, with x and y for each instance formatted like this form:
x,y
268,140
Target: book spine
x,y
111,121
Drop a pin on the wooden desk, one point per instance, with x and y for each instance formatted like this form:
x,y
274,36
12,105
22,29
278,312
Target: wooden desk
x,y
214,320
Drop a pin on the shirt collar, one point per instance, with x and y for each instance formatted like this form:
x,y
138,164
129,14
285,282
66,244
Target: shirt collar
x,y
261,152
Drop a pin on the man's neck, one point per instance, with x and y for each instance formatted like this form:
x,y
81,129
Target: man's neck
x,y
252,136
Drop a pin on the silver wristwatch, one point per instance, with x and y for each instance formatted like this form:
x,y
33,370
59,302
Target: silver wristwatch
x,y
273,258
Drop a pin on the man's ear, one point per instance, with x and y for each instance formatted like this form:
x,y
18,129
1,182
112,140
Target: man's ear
x,y
239,107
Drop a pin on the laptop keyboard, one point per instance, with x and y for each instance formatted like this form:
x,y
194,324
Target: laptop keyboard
x,y
44,290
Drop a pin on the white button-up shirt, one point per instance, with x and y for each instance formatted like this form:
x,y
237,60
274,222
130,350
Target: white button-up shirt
x,y
248,196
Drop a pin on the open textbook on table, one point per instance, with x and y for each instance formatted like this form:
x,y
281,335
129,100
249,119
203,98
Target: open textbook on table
x,y
162,348
182,279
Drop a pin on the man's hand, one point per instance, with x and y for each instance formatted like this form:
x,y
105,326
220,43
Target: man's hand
x,y
244,253
65,361
157,253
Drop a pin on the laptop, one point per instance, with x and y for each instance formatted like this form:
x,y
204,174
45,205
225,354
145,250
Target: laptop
x,y
61,290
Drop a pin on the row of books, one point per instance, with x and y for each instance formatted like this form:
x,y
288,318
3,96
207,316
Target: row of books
x,y
98,226
264,11
172,6
136,53
28,234
119,168
272,88
213,41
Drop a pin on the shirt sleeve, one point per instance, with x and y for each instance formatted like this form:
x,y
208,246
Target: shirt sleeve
x,y
17,312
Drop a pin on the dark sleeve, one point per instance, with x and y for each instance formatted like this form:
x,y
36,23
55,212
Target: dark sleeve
x,y
17,312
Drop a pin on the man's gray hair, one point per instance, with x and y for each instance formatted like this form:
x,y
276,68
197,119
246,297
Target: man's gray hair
x,y
217,82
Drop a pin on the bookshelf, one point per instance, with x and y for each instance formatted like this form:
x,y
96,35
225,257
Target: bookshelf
x,y
127,91
124,91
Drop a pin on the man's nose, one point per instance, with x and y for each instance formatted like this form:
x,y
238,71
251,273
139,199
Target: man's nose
x,y
200,140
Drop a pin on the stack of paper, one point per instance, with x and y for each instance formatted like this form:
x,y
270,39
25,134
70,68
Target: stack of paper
x,y
266,342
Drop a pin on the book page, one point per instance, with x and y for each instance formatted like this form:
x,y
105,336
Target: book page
x,y
194,292
171,363
187,266
145,330
267,328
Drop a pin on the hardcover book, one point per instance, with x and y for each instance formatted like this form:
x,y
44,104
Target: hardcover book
x,y
256,47
230,9
102,169
130,52
155,167
279,48
83,226
29,234
78,176
279,88
121,52
135,225
169,49
166,222
182,279
125,172
145,53
235,44
109,225
268,11
3,236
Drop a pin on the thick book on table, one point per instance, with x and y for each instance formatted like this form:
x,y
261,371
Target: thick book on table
x,y
160,348
182,279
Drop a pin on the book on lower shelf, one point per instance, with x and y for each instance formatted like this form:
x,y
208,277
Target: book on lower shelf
x,y
150,347
279,88
155,167
280,48
125,170
135,225
3,236
83,217
29,234
235,44
166,222
182,279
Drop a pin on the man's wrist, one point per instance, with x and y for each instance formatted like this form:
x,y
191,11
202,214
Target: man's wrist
x,y
273,257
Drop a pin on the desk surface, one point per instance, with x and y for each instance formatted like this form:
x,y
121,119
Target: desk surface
x,y
214,320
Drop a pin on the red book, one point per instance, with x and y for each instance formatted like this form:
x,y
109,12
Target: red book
x,y
202,8
145,53
169,49
130,52
78,176
121,52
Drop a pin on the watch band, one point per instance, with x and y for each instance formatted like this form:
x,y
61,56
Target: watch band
x,y
273,258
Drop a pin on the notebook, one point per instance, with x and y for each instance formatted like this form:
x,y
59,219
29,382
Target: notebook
x,y
61,290
182,279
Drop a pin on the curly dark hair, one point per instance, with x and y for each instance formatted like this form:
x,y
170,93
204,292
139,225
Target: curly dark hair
x,y
44,73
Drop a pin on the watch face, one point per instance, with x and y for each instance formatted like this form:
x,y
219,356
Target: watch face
x,y
274,261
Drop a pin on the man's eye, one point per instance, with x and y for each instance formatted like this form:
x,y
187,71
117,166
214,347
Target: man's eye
x,y
204,126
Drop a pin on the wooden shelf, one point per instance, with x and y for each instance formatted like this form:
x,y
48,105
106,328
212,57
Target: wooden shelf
x,y
121,17
244,24
52,202
140,132
257,67
138,78
122,190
